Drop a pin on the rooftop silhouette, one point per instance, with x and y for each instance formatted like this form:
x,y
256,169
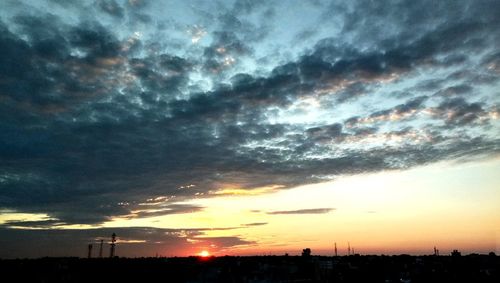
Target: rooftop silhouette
x,y
305,268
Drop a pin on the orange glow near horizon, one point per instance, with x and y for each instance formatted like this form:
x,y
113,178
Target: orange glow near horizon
x,y
448,205
204,253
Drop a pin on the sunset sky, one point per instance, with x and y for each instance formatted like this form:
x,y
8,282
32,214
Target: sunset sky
x,y
249,127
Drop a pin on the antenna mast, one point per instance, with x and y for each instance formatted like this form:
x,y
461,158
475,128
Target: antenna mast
x,y
100,249
89,255
112,250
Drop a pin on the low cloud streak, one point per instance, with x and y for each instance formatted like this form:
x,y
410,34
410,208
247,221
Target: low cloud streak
x,y
303,211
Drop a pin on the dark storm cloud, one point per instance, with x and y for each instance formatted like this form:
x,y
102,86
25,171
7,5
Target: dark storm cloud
x,y
90,121
159,74
63,3
138,4
225,47
429,85
410,105
41,76
375,22
132,242
458,111
47,224
400,111
247,6
236,19
324,133
303,211
111,7
330,62
304,35
95,41
464,149
330,65
456,90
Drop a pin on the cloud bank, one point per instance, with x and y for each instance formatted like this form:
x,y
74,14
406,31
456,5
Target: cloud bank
x,y
114,108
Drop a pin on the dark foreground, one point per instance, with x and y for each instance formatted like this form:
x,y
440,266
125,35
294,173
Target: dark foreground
x,y
471,268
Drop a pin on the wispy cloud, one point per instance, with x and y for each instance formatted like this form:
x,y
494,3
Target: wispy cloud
x,y
166,210
254,224
303,211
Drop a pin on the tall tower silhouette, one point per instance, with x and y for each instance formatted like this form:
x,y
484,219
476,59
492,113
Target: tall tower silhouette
x,y
336,249
100,248
112,250
348,248
89,255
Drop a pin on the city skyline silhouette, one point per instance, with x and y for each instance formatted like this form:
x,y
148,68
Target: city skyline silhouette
x,y
249,128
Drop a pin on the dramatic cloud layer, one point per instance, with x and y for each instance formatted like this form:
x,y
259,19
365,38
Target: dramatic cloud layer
x,y
133,108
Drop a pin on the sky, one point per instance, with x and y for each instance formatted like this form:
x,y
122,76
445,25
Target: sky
x,y
249,127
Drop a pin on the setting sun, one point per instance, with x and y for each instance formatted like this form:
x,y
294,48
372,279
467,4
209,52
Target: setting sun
x,y
206,129
204,254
